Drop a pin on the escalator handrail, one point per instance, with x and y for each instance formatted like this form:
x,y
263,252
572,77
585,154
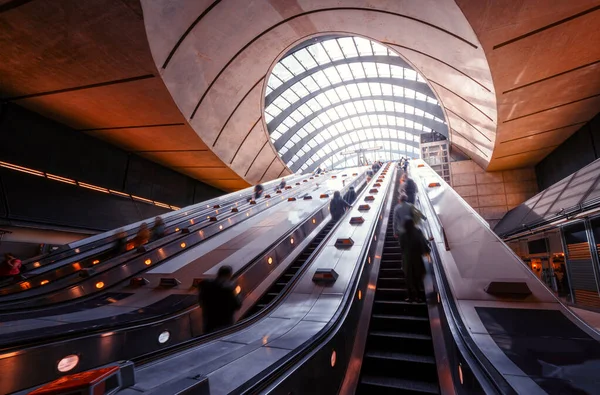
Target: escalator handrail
x,y
131,325
134,225
15,297
488,376
304,351
245,322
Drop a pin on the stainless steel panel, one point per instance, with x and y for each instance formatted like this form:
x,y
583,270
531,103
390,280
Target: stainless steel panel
x,y
228,378
264,330
298,335
324,308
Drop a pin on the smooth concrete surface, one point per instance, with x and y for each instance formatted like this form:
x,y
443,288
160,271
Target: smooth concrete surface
x,y
218,71
492,194
592,318
181,82
88,65
544,59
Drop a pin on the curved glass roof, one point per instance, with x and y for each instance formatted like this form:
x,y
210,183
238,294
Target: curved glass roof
x,y
332,96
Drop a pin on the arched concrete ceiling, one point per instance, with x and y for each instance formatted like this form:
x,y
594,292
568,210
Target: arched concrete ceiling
x,y
545,60
87,64
215,57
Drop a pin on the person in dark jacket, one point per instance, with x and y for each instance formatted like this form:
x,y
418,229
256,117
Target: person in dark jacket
x,y
350,196
281,185
409,188
337,206
219,300
158,229
258,191
414,246
120,245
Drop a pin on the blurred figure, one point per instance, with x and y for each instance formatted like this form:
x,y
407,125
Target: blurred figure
x,y
10,268
405,165
282,184
350,196
258,191
219,300
337,206
158,229
142,236
409,187
402,211
318,171
120,244
414,246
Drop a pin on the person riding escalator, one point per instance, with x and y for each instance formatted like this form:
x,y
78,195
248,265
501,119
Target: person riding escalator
x,y
219,300
337,206
414,246
350,196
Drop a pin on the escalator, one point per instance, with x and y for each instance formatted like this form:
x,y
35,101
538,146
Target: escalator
x,y
144,323
278,286
399,356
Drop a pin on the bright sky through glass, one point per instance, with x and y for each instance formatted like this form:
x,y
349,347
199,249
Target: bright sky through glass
x,y
341,94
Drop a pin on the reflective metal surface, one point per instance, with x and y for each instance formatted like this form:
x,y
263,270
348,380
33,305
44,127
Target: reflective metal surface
x,y
117,342
302,313
476,256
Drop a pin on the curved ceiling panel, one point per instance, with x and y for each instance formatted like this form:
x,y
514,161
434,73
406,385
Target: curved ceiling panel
x,y
322,96
217,67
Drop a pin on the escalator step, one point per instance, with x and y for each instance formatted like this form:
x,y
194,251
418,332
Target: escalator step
x,y
393,385
396,302
398,356
400,317
401,335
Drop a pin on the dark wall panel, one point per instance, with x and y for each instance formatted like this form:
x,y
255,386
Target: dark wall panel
x,y
36,199
30,140
3,212
578,151
152,181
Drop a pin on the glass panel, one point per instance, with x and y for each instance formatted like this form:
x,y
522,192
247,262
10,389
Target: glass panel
x,y
345,73
383,70
357,70
333,49
304,57
319,53
370,69
364,46
332,75
292,65
281,72
347,44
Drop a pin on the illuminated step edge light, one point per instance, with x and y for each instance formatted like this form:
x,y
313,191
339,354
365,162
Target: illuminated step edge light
x,y
83,185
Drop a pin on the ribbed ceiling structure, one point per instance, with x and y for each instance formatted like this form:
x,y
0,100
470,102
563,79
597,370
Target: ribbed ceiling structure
x,y
332,95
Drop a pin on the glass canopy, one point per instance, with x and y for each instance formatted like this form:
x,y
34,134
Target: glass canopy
x,y
333,96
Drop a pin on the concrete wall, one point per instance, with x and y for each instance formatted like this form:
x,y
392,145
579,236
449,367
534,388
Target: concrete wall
x,y
492,194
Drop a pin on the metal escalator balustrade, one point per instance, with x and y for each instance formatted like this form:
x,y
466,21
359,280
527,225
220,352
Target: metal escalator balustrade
x,y
284,280
117,344
399,357
79,249
134,262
